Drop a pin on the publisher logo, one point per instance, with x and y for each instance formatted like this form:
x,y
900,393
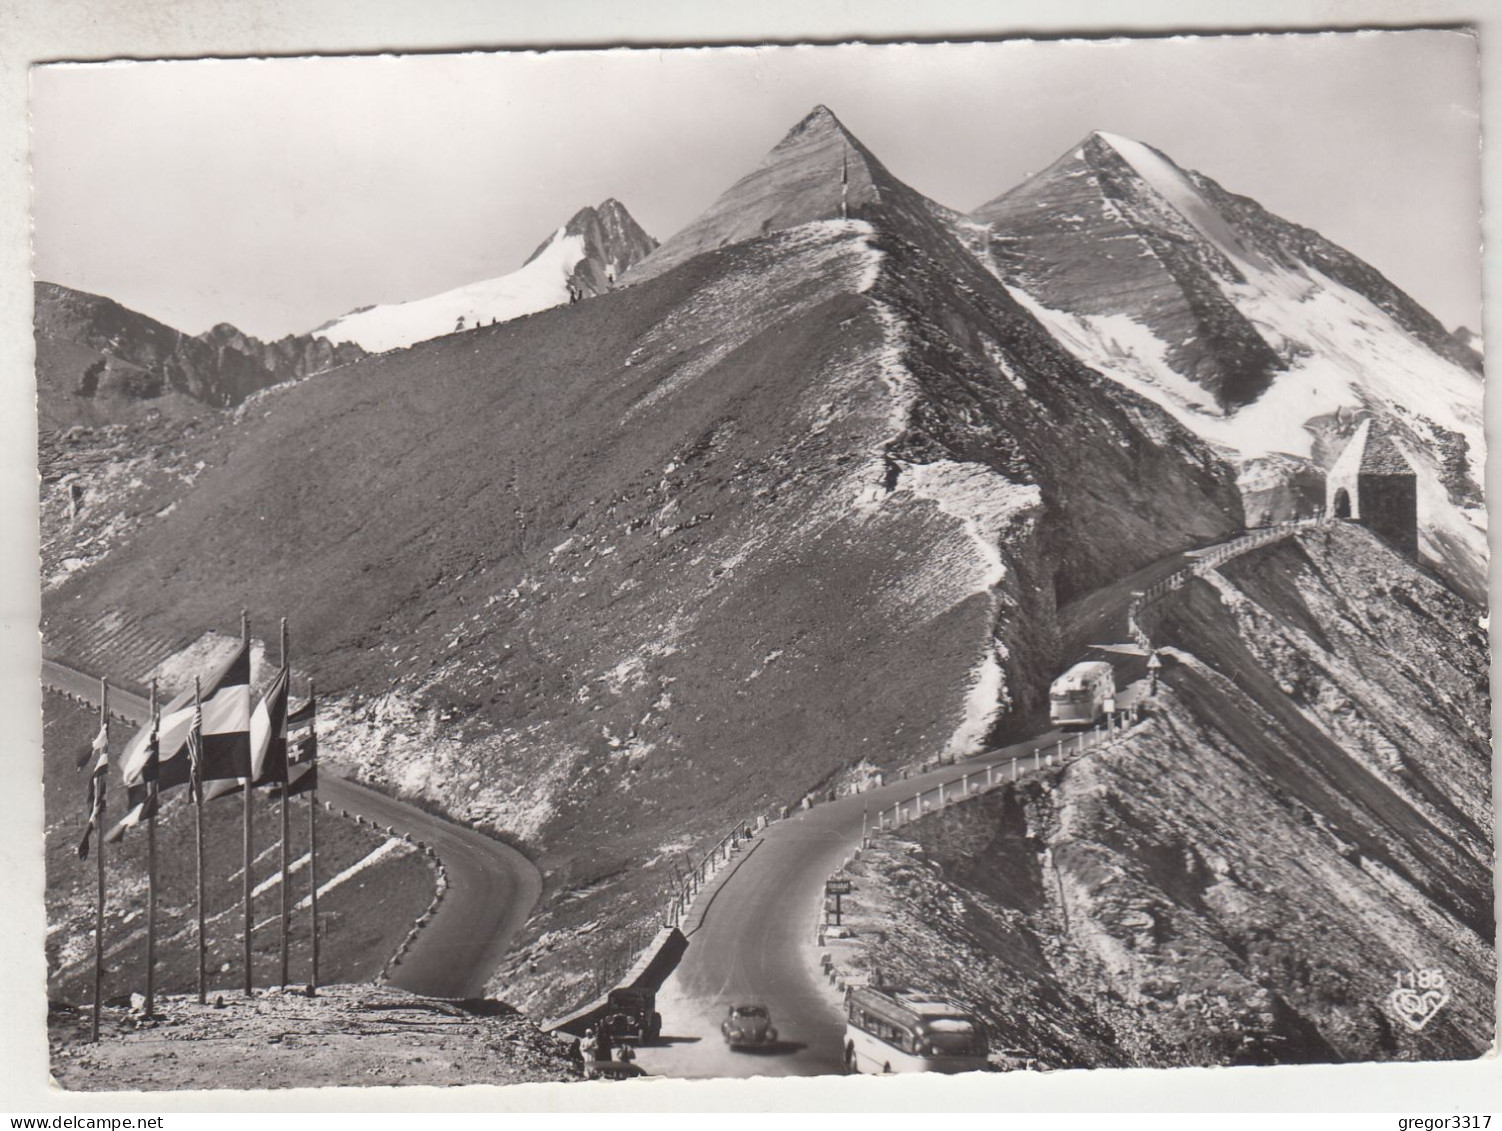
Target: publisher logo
x,y
1418,996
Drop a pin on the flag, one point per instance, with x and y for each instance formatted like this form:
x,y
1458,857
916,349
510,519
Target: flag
x,y
195,751
268,743
142,796
170,728
302,766
268,734
302,754
224,731
93,748
301,715
97,779
155,758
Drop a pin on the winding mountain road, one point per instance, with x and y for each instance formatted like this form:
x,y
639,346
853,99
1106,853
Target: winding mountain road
x,y
492,887
755,942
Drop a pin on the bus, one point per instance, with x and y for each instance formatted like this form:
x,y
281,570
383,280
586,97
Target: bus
x,y
1079,696
896,1029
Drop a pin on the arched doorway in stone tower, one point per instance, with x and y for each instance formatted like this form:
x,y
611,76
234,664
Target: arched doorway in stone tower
x,y
1342,503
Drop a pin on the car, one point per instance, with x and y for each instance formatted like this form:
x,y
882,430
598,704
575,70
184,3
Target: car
x,y
631,1015
748,1027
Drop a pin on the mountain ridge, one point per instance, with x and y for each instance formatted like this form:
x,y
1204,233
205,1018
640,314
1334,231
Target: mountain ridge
x,y
100,362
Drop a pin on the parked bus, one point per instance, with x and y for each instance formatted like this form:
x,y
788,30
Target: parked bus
x,y
1079,696
895,1029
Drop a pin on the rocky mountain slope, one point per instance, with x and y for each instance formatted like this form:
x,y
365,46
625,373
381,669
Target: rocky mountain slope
x,y
346,1036
100,363
1266,339
1307,813
581,259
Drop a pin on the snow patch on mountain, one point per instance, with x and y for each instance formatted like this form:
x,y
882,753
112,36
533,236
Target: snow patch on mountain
x,y
541,284
394,743
987,506
985,503
1170,183
1346,353
982,705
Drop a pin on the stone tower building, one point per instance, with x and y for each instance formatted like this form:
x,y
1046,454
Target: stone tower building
x,y
1374,484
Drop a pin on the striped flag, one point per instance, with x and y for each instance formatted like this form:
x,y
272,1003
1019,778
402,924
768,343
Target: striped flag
x,y
155,759
142,795
224,734
268,743
301,715
98,777
268,734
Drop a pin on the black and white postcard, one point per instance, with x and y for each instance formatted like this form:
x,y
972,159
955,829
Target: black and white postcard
x,y
590,565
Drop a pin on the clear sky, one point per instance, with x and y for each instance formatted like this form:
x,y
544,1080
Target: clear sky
x,y
276,194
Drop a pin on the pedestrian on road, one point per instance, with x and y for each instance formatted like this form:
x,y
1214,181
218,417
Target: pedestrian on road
x,y
603,1042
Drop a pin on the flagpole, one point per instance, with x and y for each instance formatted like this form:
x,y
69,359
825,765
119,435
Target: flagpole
x,y
195,772
313,832
98,817
245,881
151,869
286,782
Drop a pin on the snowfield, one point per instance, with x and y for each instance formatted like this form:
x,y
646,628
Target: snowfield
x,y
540,284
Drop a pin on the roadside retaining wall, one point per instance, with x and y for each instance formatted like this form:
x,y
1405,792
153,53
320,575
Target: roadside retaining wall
x,y
649,972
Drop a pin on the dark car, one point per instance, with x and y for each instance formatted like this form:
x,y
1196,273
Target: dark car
x,y
631,1015
748,1027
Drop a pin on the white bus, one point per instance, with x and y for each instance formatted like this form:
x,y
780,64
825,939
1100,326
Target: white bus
x,y
1079,696
894,1029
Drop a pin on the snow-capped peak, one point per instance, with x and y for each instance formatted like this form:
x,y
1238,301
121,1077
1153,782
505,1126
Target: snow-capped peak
x,y
1252,331
583,257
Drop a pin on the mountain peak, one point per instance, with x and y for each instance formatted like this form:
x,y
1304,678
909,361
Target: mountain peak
x,y
1115,141
821,123
820,117
817,171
